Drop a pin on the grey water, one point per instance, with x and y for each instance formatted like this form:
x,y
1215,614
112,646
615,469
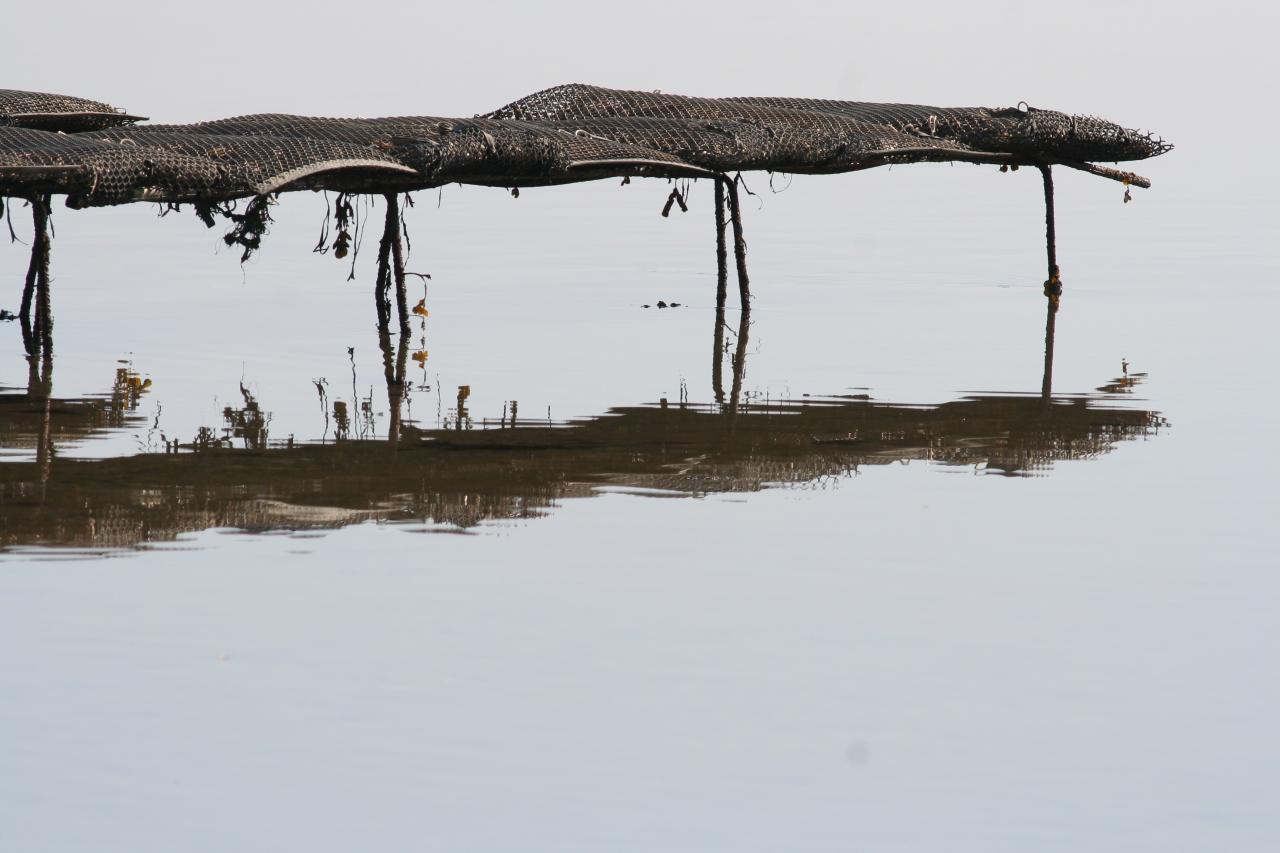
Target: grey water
x,y
887,596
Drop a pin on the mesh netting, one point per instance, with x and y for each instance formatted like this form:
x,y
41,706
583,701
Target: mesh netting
x,y
559,135
726,136
804,143
124,165
447,150
1040,134
92,171
512,153
58,112
265,164
1029,132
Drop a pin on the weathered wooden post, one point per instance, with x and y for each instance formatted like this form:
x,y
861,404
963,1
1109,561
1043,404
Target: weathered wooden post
x,y
739,244
37,334
1053,284
722,254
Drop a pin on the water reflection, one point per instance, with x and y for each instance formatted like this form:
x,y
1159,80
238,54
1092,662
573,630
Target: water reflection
x,y
466,471
32,419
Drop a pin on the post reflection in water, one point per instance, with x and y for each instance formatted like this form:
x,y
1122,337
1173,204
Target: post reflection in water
x,y
1050,328
462,472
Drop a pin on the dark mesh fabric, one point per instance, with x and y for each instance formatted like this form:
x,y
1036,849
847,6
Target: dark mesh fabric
x,y
432,148
560,135
375,132
810,144
589,151
712,135
446,150
729,136
94,172
1033,133
511,153
1043,135
57,112
264,164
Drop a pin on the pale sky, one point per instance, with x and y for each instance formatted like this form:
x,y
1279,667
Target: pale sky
x,y
1169,66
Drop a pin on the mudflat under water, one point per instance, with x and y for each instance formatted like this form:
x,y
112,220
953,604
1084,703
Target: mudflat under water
x,y
849,572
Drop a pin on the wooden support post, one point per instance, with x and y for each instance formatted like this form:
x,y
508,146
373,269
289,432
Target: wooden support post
x,y
717,356
739,244
28,297
44,299
722,254
381,289
397,262
722,280
1053,284
37,333
384,346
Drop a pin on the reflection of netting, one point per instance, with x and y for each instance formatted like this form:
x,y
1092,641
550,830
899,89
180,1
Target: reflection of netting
x,y
465,477
57,112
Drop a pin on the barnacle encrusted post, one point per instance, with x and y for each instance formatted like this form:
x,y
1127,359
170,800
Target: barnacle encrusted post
x,y
739,244
1053,284
391,269
722,255
37,333
382,287
29,289
717,356
397,263
722,280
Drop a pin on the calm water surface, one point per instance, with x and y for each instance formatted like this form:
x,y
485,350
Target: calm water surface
x,y
864,585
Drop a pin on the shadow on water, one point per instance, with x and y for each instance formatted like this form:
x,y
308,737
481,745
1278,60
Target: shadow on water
x,y
464,471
